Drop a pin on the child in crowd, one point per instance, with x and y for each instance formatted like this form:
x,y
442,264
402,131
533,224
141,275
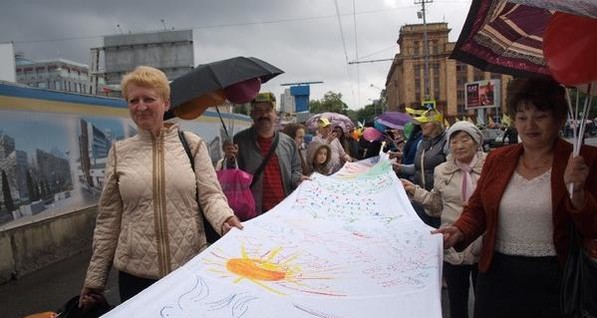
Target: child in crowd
x,y
318,156
229,159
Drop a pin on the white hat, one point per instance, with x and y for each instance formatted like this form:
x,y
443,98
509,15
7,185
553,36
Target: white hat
x,y
467,127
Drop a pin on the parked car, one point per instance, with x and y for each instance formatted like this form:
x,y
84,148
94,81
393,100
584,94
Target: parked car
x,y
492,138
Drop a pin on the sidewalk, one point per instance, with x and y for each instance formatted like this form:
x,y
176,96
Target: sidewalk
x,y
49,288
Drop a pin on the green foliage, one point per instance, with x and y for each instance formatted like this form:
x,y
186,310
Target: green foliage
x,y
242,109
331,102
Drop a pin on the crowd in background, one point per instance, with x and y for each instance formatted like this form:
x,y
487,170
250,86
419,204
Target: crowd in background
x,y
507,217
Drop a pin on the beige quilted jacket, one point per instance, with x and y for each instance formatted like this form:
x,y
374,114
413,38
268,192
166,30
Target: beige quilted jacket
x,y
148,223
445,200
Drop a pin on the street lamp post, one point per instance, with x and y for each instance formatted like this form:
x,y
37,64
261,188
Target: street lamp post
x,y
425,45
380,93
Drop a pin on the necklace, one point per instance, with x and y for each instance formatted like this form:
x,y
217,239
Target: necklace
x,y
540,165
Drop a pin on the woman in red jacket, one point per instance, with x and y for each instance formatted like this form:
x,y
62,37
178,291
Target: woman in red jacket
x,y
524,210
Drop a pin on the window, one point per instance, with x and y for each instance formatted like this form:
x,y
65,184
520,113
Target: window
x,y
434,47
478,75
460,82
416,48
461,110
460,95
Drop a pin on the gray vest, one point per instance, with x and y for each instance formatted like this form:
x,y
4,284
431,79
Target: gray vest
x,y
430,153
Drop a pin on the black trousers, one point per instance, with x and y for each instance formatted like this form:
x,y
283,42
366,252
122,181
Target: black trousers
x,y
518,286
130,285
458,278
429,220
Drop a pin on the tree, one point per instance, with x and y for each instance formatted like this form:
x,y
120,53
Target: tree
x,y
10,206
242,109
365,114
331,102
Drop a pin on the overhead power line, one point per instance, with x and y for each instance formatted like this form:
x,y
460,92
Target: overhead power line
x,y
225,25
370,61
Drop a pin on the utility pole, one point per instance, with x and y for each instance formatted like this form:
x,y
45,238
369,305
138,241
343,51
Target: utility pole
x,y
425,46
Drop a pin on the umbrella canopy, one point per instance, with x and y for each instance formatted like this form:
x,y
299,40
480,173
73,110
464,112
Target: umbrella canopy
x,y
395,120
334,118
210,84
505,37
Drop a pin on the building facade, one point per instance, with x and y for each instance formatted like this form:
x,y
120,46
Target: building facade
x,y
58,74
287,102
405,83
170,51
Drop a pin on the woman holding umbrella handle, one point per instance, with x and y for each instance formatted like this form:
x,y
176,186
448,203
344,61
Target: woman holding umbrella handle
x,y
522,207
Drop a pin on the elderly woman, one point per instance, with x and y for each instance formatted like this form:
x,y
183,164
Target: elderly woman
x,y
523,206
454,182
149,221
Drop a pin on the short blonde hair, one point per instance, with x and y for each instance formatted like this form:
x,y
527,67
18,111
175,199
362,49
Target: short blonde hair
x,y
146,76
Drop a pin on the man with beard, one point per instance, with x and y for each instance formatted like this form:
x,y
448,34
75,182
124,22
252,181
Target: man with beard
x,y
272,157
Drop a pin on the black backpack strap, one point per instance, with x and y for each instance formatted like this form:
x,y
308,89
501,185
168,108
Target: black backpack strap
x,y
269,155
187,148
210,233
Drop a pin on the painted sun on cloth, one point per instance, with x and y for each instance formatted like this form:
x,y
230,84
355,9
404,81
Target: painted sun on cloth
x,y
347,245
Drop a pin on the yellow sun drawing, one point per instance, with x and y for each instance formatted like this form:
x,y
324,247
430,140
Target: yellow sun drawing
x,y
276,272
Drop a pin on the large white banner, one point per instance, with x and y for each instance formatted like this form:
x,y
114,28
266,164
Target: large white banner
x,y
348,245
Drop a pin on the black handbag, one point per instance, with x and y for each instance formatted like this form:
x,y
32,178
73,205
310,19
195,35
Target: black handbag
x,y
72,310
578,296
211,234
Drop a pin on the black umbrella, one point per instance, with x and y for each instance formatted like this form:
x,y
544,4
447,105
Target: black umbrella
x,y
206,84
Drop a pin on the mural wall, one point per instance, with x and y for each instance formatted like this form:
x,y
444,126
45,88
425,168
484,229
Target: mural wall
x,y
54,147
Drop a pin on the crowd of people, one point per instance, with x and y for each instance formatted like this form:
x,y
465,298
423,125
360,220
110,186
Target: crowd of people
x,y
505,216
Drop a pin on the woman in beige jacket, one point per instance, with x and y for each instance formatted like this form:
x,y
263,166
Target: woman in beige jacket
x,y
454,182
149,221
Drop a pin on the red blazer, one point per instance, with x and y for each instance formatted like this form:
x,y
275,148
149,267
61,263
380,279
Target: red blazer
x,y
480,215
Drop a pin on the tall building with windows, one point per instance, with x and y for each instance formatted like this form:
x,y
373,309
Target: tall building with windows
x,y
58,74
405,84
287,102
170,51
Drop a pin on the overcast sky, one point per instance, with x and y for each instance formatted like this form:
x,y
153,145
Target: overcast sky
x,y
302,37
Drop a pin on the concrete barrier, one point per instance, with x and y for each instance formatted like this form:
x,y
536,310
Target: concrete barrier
x,y
25,248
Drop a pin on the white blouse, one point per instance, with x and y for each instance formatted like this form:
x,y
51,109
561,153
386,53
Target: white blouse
x,y
525,224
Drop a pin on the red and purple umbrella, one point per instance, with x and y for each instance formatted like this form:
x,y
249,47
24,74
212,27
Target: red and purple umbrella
x,y
507,36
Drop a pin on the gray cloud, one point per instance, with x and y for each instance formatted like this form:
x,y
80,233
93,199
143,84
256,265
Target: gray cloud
x,y
302,37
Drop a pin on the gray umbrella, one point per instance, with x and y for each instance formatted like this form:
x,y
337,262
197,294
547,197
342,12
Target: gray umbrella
x,y
212,77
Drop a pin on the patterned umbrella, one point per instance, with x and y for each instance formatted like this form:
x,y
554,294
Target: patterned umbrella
x,y
507,37
334,118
